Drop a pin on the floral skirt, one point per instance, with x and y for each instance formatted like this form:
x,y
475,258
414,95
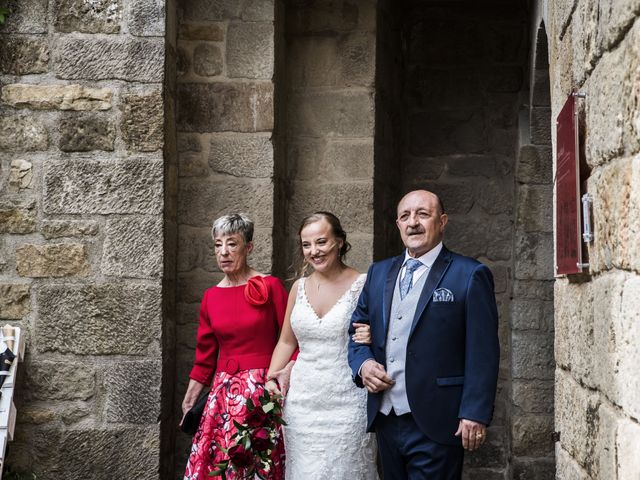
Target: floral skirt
x,y
226,403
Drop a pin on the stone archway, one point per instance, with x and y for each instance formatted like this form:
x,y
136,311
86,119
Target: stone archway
x,y
532,309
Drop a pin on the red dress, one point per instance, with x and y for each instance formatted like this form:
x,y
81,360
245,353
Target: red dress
x,y
238,331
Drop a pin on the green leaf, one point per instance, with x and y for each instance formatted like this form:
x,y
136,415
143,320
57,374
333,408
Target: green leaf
x,y
250,405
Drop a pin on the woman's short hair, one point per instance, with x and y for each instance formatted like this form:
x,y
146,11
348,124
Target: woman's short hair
x,y
233,223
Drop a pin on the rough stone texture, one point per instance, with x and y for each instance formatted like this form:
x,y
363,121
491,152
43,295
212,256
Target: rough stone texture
x,y
139,60
334,160
15,301
86,132
627,445
534,261
104,319
242,155
17,217
53,260
258,10
133,247
146,18
90,186
533,397
201,31
534,164
535,208
27,16
531,435
21,175
68,228
532,355
97,16
22,134
219,107
207,60
52,380
23,55
133,391
56,97
250,50
143,121
206,10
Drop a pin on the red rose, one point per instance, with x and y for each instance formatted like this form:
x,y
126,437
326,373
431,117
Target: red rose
x,y
256,418
260,439
257,291
240,457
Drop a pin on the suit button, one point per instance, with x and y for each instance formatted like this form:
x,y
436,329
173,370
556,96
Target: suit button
x,y
392,359
399,317
394,338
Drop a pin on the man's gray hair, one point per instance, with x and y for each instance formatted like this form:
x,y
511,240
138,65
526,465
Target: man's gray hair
x,y
233,223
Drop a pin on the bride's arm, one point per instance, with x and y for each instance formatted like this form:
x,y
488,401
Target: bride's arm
x,y
287,344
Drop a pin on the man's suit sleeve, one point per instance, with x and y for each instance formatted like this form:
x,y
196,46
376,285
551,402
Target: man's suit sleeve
x,y
359,353
482,355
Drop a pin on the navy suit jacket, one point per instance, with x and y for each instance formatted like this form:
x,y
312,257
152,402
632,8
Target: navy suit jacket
x,y
452,353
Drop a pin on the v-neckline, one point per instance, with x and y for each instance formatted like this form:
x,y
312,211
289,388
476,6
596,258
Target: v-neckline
x,y
306,298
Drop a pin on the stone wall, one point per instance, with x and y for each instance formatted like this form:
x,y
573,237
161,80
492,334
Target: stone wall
x,y
225,119
82,132
595,47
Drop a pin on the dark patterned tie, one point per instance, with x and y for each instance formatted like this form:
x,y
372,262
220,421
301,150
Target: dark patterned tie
x,y
407,281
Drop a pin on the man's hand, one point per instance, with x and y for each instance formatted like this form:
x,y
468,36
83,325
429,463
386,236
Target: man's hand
x,y
374,377
282,377
473,434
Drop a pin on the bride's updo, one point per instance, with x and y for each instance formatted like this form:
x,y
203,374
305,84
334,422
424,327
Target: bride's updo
x,y
336,228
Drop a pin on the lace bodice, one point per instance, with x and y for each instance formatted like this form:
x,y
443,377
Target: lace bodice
x,y
326,413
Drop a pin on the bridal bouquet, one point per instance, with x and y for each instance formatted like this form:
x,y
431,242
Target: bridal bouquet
x,y
251,447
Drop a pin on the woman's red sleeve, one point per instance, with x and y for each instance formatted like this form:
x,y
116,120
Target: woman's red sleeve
x,y
280,298
204,365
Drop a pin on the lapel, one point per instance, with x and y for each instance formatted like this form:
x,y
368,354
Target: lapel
x,y
390,284
434,277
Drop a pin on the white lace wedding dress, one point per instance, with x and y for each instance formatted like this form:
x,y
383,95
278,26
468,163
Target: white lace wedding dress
x,y
326,414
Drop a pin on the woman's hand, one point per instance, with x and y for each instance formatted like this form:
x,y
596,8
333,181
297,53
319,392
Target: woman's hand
x,y
363,333
191,397
282,378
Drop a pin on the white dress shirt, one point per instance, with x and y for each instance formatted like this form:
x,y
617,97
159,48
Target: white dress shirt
x,y
427,261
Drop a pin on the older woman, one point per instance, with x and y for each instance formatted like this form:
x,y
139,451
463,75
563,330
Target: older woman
x,y
240,319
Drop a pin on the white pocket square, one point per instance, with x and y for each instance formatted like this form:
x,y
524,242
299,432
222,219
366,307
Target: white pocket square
x,y
442,295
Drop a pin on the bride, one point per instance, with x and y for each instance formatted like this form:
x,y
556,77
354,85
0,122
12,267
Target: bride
x,y
326,414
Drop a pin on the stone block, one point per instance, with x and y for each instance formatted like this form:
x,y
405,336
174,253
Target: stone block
x,y
492,454
258,11
24,55
421,169
192,285
183,62
105,319
532,435
327,113
98,16
52,260
143,121
140,60
531,314
624,342
207,60
614,20
195,249
22,134
533,289
37,416
200,202
56,380
192,164
534,469
533,396
250,50
17,217
27,16
219,107
540,125
534,164
472,166
535,208
479,236
495,196
616,216
213,32
189,142
146,18
208,10
20,175
605,445
86,132
534,253
584,41
532,355
75,412
56,97
567,468
628,445
68,228
15,301
133,392
351,202
86,186
448,132
242,155
133,247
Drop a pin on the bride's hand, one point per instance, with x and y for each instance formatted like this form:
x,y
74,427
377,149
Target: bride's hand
x,y
363,333
282,377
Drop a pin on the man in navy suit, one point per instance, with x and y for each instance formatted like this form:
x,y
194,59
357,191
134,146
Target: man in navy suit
x,y
432,367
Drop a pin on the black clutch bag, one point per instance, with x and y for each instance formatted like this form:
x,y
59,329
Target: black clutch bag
x,y
192,418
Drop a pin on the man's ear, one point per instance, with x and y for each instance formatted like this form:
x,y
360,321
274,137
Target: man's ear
x,y
444,219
